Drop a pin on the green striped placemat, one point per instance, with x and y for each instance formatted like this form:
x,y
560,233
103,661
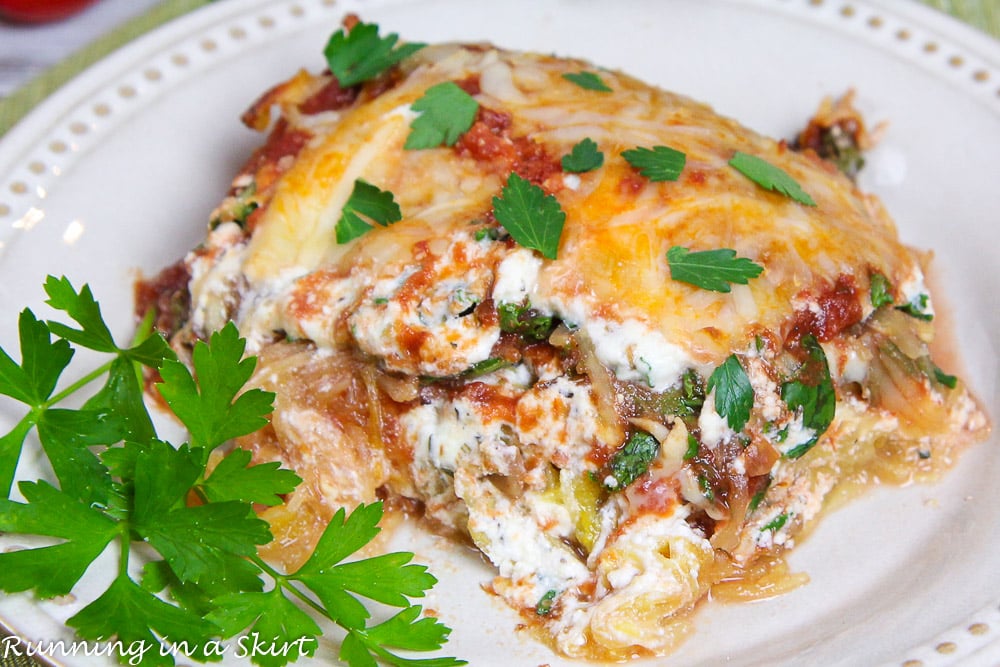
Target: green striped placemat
x,y
983,14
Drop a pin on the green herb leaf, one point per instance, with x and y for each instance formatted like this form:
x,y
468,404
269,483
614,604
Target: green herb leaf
x,y
235,479
354,652
390,579
733,392
52,570
776,524
918,308
66,436
632,460
711,269
659,163
588,81
213,409
758,498
128,613
406,632
361,55
236,575
524,321
446,113
367,200
706,488
196,541
10,452
811,391
770,177
485,367
122,396
344,535
692,450
487,233
273,620
685,399
584,156
880,291
949,381
42,362
544,606
83,308
162,475
401,631
533,218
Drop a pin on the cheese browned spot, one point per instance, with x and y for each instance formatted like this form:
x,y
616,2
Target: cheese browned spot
x,y
400,371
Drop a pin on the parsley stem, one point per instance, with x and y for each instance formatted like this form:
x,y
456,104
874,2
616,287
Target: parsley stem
x,y
124,550
283,581
79,384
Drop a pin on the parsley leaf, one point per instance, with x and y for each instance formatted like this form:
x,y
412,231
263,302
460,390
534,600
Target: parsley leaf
x,y
446,113
406,632
706,488
632,460
588,81
685,399
344,535
389,579
212,407
10,451
544,606
273,619
263,483
811,391
880,291
770,177
584,156
734,394
711,269
122,396
659,163
127,612
51,570
533,218
524,320
66,436
81,306
692,450
917,307
758,497
42,362
361,55
775,524
367,200
949,381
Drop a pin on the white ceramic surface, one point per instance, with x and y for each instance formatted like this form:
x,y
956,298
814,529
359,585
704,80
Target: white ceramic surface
x,y
117,171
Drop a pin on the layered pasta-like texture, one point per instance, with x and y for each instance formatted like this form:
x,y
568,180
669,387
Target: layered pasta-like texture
x,y
616,436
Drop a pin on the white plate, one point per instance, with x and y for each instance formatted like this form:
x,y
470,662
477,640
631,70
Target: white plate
x,y
118,170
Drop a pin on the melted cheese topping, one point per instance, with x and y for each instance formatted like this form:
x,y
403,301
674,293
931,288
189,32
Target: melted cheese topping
x,y
611,264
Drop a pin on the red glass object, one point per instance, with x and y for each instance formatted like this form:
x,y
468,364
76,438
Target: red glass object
x,y
40,11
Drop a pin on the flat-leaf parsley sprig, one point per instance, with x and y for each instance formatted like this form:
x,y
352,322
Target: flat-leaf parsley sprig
x,y
118,486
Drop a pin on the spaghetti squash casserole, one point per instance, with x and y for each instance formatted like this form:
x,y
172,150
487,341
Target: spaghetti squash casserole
x,y
625,346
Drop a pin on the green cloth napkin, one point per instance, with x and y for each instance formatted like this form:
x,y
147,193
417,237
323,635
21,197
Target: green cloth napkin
x,y
983,14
